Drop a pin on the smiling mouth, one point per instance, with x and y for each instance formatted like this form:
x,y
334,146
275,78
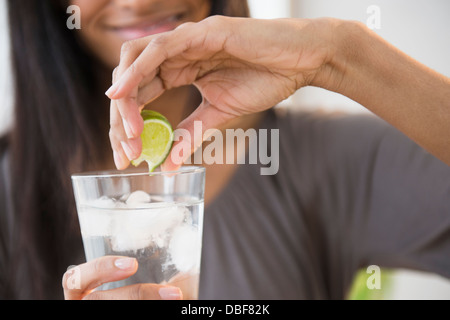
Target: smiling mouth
x,y
148,28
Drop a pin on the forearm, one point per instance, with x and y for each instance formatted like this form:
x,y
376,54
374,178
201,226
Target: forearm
x,y
407,94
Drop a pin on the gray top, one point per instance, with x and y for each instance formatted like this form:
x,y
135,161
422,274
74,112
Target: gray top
x,y
351,191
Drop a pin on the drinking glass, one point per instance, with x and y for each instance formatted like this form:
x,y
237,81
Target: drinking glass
x,y
156,218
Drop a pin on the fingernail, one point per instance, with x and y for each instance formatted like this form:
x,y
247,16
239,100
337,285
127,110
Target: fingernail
x,y
128,130
118,160
125,263
131,154
170,293
111,91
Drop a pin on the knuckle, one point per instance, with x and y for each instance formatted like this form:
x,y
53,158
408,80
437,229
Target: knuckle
x,y
185,25
134,69
115,140
115,73
65,280
115,124
159,42
112,135
138,293
216,20
127,47
100,265
144,292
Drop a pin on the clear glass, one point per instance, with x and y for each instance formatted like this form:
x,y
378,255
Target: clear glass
x,y
156,218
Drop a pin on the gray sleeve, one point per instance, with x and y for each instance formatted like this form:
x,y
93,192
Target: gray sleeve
x,y
408,218
386,201
351,192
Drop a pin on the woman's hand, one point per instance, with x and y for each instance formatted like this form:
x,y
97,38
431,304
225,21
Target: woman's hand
x,y
240,66
244,66
79,282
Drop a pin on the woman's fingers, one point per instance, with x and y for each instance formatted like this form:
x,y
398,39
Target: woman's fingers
x,y
158,49
124,149
144,70
150,91
144,291
116,135
81,280
129,110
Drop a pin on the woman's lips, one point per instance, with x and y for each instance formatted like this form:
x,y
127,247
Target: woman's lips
x,y
147,28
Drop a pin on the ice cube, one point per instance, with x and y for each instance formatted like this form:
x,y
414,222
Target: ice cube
x,y
103,203
95,222
140,228
138,197
125,241
185,247
124,197
94,218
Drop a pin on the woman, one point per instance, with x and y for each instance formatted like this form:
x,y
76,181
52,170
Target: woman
x,y
338,203
351,191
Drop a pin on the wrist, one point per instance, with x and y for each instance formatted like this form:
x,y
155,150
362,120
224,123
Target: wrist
x,y
346,42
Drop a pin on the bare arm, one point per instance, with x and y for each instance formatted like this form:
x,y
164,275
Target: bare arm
x,y
402,91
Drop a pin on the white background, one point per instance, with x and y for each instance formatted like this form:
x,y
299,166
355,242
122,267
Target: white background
x,y
418,27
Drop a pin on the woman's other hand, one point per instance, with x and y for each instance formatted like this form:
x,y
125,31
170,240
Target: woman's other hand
x,y
80,282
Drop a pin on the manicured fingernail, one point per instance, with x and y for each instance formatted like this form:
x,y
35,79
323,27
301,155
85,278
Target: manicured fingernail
x,y
125,263
119,161
128,130
111,91
131,154
170,293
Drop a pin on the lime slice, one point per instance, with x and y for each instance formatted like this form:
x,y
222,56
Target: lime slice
x,y
157,140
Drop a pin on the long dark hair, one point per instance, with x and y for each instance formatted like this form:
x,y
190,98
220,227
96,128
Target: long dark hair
x,y
59,129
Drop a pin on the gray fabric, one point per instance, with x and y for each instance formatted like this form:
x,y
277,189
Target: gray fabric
x,y
351,191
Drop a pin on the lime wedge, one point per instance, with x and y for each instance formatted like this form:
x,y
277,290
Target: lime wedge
x,y
157,140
